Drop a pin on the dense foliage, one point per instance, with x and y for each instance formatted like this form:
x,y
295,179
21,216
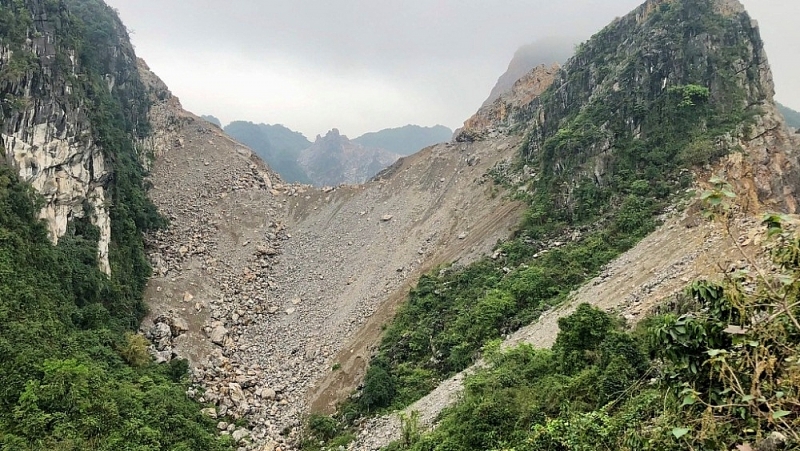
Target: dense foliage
x,y
70,378
717,370
72,374
610,145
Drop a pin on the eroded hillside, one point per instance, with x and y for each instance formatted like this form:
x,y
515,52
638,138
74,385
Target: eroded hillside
x,y
275,283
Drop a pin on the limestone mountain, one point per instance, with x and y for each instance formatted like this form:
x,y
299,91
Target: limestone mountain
x,y
405,140
642,115
276,144
545,51
334,159
73,210
579,184
792,117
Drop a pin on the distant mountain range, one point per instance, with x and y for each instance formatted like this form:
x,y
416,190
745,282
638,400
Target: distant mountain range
x,y
277,145
405,140
212,119
792,117
332,159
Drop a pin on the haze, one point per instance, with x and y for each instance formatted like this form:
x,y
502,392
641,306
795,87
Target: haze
x,y
364,65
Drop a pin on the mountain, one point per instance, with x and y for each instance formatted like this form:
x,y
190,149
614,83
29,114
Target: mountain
x,y
544,51
673,99
212,119
334,159
405,140
604,258
73,211
792,117
275,144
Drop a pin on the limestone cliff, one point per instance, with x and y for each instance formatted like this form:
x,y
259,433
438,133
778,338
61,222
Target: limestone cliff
x,y
46,127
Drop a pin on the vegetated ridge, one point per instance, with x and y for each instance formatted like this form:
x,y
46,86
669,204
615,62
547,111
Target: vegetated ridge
x,y
73,208
629,126
277,145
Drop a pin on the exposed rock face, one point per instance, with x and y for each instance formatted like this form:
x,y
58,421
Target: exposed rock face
x,y
273,279
47,134
526,58
504,112
334,159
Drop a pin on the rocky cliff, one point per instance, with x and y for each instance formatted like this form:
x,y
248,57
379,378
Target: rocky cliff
x,y
546,51
47,129
334,159
502,114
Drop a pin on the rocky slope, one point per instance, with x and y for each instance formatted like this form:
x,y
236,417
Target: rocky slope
x,y
270,284
334,159
765,177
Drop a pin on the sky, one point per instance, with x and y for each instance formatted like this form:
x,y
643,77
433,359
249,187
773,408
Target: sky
x,y
365,65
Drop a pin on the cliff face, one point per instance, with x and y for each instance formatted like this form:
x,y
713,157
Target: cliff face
x,y
46,129
502,114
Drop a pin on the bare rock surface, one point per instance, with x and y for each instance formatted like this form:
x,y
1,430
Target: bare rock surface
x,y
270,284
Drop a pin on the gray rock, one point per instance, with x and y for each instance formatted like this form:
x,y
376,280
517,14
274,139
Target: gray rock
x,y
240,434
160,330
209,412
179,326
218,335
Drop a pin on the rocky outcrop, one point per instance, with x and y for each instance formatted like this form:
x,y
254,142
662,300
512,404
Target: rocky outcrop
x,y
46,130
544,51
333,159
503,113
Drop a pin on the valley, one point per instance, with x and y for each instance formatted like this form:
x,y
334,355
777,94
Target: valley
x,y
602,257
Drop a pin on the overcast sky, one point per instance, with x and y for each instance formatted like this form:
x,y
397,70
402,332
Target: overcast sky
x,y
364,65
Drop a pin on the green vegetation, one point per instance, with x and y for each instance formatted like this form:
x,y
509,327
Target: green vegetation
x,y
71,377
73,374
610,152
792,117
717,370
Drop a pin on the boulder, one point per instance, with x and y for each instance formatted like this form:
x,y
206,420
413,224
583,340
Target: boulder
x,y
218,335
